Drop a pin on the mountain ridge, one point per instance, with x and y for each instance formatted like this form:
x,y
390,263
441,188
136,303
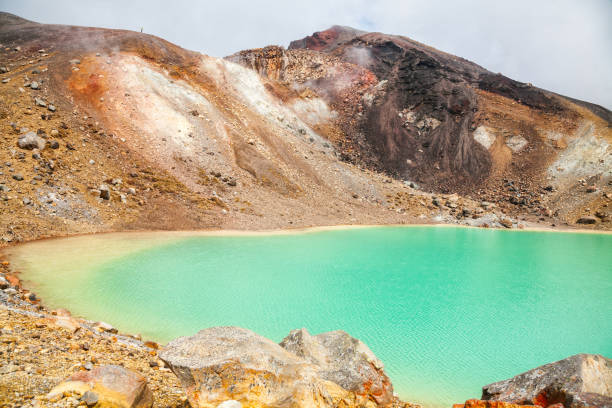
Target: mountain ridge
x,y
377,129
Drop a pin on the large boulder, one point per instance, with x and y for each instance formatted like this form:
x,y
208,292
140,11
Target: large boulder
x,y
583,380
110,386
236,366
343,360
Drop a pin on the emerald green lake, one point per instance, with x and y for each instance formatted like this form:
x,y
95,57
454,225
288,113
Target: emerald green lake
x,y
447,310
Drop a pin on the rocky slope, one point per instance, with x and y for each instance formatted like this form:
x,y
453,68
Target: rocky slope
x,y
449,125
112,130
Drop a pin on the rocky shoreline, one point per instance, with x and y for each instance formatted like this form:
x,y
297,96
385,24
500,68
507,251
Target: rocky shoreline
x,y
49,358
39,348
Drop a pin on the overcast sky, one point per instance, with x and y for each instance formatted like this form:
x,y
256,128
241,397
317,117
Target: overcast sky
x,y
561,45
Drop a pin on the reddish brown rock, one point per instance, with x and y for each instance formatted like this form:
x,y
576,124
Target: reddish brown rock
x,y
114,386
67,322
475,403
60,312
13,280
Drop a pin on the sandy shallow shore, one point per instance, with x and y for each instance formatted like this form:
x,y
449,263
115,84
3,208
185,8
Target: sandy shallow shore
x,y
7,250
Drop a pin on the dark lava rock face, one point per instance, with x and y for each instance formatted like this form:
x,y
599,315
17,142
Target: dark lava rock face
x,y
431,140
419,124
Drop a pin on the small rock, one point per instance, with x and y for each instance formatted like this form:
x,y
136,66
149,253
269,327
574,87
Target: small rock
x,y
31,141
40,102
34,85
230,404
89,398
151,344
66,322
105,327
104,192
51,108
17,177
587,219
114,386
4,283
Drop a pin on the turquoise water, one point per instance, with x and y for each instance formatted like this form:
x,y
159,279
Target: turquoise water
x,y
447,310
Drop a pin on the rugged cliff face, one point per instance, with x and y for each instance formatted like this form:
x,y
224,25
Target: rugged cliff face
x,y
446,123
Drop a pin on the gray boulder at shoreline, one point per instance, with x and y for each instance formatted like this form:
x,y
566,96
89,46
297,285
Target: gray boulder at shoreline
x,y
582,380
342,359
230,363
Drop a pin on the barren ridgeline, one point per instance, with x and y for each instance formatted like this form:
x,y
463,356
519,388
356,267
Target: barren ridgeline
x,y
115,130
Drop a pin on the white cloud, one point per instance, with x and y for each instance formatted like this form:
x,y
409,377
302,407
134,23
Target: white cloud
x,y
561,45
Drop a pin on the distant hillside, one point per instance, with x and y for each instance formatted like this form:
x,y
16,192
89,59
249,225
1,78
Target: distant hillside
x,y
113,129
